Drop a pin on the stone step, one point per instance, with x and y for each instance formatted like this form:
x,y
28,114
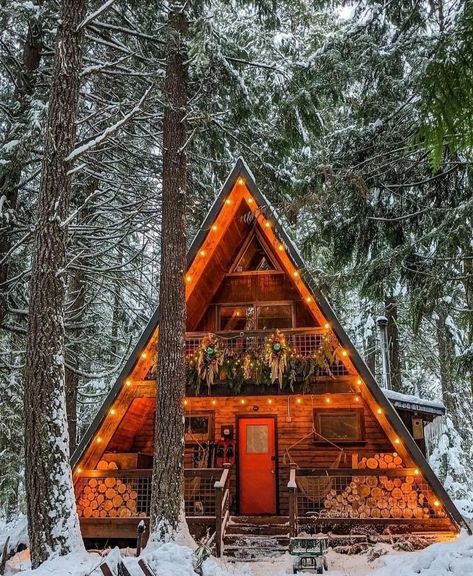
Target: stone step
x,y
251,540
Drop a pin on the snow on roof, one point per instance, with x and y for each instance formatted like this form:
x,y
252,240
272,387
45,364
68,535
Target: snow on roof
x,y
408,400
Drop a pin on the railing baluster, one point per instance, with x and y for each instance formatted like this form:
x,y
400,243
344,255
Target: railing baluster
x,y
222,500
292,487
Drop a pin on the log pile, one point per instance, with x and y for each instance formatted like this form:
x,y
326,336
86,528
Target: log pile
x,y
378,496
108,497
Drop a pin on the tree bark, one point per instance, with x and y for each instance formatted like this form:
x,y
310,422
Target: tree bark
x,y
52,520
168,473
10,172
393,343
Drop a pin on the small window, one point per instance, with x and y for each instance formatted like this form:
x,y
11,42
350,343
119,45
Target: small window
x,y
339,425
274,316
198,428
237,318
257,441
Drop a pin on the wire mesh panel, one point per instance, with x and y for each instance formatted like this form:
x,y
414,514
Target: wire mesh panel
x,y
199,496
111,497
370,496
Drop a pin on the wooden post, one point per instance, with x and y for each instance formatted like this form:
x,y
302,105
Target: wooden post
x,y
220,488
292,487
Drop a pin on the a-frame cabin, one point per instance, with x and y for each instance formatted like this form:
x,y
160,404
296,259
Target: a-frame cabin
x,y
283,418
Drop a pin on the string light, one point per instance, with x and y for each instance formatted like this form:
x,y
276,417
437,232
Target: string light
x,y
299,400
186,402
267,224
397,441
379,411
359,381
202,253
270,401
99,439
128,382
250,200
214,227
112,411
281,247
79,470
228,201
296,273
437,503
143,354
188,278
327,400
326,325
308,299
416,471
357,398
240,180
344,353
214,402
242,401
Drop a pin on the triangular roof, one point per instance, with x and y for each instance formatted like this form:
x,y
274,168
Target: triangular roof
x,y
241,177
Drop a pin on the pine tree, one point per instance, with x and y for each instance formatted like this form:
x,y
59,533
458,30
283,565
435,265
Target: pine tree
x,y
53,525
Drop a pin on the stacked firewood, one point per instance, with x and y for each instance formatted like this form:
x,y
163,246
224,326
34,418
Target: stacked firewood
x,y
108,497
378,496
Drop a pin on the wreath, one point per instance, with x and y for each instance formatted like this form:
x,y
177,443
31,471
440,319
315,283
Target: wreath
x,y
210,358
276,355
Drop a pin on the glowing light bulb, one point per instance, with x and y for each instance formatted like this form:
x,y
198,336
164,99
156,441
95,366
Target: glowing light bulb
x,y
186,402
240,180
397,441
214,402
280,247
296,273
188,278
416,471
267,224
270,401
228,201
437,503
359,381
299,400
344,353
379,411
250,200
202,253
214,227
143,354
308,299
79,470
327,400
357,398
99,439
242,401
112,411
326,325
128,382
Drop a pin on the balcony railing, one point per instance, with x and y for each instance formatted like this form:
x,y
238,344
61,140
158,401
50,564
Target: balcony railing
x,y
304,343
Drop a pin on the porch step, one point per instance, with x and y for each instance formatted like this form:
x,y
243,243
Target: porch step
x,y
250,538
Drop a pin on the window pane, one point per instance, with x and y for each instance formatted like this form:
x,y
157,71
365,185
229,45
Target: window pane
x,y
237,318
274,316
254,258
257,439
341,426
197,424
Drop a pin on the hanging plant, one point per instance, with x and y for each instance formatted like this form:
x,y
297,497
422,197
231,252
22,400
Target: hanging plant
x,y
209,359
276,356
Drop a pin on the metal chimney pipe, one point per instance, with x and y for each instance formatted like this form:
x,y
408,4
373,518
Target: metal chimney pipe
x,y
382,323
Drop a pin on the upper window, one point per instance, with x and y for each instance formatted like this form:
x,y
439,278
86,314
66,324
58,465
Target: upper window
x,y
237,318
339,425
254,258
274,316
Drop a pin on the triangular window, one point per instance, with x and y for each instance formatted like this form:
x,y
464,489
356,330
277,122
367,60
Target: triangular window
x,y
254,258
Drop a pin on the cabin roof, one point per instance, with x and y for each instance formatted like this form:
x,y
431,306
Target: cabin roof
x,y
241,170
414,403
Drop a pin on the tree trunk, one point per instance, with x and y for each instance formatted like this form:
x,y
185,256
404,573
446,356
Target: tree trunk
x,y
52,520
393,343
168,474
10,172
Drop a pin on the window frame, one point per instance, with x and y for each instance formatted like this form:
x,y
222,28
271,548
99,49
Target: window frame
x,y
209,437
340,411
256,305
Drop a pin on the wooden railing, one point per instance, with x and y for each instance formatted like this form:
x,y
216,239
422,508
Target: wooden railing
x,y
292,489
222,508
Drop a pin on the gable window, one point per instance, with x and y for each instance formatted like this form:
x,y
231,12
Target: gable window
x,y
254,258
248,317
237,318
339,424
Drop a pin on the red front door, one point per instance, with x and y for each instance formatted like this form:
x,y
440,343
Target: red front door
x,y
257,465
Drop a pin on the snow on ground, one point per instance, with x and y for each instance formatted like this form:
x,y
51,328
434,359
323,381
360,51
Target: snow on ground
x,y
444,559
